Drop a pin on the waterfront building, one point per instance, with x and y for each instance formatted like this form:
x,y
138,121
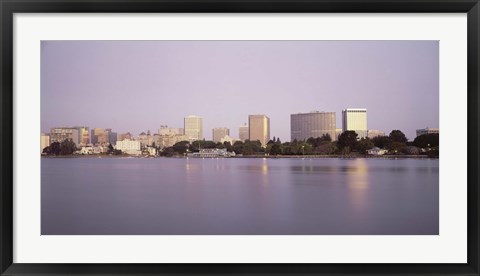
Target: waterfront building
x,y
259,128
228,139
372,133
83,135
355,119
59,134
243,133
44,141
146,139
112,136
427,130
219,133
129,146
376,151
165,130
169,136
314,124
99,136
193,127
165,141
123,136
211,153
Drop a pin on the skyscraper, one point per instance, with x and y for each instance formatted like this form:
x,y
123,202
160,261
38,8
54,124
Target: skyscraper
x,y
355,119
193,126
259,128
219,133
314,124
243,132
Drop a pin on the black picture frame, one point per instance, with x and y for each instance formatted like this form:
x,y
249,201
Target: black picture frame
x,y
9,7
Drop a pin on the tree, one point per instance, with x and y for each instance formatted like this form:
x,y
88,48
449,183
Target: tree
x,y
179,147
275,149
238,147
53,149
397,136
67,147
110,149
347,139
398,140
430,140
381,141
364,144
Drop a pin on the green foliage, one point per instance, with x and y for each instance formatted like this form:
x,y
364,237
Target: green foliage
x,y
347,139
53,149
67,147
276,149
179,148
381,141
364,144
397,136
430,140
168,152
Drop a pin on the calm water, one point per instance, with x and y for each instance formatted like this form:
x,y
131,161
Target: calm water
x,y
123,196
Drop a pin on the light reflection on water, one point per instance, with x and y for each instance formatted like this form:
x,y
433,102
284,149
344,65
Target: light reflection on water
x,y
239,196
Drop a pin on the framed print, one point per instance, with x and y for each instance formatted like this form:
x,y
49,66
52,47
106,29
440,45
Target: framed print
x,y
273,137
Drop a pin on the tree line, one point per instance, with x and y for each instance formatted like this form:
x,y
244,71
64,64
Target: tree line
x,y
347,144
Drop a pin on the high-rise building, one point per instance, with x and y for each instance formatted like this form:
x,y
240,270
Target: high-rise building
x,y
59,134
193,127
112,136
259,128
427,130
219,132
243,133
314,124
44,141
99,136
355,119
83,135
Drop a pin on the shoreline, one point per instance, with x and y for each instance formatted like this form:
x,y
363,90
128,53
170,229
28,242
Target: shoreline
x,y
256,157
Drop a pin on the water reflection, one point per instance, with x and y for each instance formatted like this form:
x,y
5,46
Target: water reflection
x,y
358,183
238,196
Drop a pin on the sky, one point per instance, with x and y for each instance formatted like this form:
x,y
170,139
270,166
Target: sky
x,y
135,86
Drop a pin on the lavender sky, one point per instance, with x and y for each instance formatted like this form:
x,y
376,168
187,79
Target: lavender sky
x,y
137,86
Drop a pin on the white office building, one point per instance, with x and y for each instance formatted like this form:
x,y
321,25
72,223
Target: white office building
x,y
129,146
355,119
193,127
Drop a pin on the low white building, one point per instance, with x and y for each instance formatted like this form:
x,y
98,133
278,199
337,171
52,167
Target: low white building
x,y
376,151
129,146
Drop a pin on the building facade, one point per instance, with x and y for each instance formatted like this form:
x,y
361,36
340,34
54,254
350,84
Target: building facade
x,y
129,146
427,130
99,136
83,135
193,126
165,130
59,134
314,124
372,133
44,141
219,133
259,128
355,119
243,133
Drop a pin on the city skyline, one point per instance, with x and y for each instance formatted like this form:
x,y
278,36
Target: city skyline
x,y
135,86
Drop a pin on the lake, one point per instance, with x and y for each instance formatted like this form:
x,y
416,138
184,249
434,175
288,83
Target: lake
x,y
239,196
